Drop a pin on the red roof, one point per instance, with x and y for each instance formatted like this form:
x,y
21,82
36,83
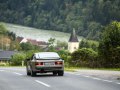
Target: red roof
x,y
34,42
19,39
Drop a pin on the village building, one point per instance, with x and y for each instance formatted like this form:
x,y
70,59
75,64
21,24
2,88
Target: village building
x,y
73,43
21,39
5,56
42,44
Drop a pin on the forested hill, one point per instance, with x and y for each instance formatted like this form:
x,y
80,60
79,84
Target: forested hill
x,y
86,16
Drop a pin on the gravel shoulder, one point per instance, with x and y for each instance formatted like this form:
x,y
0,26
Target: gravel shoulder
x,y
111,75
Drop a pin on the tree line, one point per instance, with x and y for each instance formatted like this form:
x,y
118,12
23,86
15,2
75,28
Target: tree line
x,y
88,17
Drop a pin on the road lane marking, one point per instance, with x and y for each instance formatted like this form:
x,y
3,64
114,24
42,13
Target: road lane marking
x,y
107,80
97,78
17,73
94,78
78,74
2,70
42,83
87,76
118,83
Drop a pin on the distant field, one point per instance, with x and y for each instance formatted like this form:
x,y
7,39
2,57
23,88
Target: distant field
x,y
38,34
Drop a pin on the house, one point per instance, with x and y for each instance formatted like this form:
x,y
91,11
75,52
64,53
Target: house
x,y
73,43
21,39
33,42
42,44
5,56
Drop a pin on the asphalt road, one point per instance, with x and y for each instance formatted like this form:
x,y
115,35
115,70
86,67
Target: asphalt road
x,y
16,79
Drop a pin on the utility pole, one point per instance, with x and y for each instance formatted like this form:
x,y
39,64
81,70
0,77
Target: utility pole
x,y
1,40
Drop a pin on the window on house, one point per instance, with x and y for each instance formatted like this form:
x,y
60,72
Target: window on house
x,y
74,47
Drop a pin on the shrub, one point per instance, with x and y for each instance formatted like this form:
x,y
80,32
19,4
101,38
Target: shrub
x,y
17,59
3,64
84,57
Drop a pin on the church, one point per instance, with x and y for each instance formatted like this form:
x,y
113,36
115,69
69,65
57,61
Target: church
x,y
73,43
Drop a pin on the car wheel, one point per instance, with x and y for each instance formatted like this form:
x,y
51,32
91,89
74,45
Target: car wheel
x,y
60,73
54,73
28,73
33,73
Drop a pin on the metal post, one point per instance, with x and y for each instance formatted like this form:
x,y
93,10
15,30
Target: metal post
x,y
22,63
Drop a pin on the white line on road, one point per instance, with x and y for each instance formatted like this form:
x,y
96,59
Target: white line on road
x,y
17,73
107,80
2,70
86,76
118,83
97,78
78,74
42,83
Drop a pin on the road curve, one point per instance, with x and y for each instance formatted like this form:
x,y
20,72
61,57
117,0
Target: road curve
x,y
16,79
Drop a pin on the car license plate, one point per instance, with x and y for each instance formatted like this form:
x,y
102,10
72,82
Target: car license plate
x,y
49,63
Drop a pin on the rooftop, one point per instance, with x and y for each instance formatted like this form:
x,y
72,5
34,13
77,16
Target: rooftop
x,y
6,55
73,37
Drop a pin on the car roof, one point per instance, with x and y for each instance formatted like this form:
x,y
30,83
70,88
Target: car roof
x,y
47,54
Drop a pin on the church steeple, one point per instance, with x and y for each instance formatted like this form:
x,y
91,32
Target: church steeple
x,y
73,37
73,43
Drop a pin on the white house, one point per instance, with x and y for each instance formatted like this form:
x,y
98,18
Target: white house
x,y
73,43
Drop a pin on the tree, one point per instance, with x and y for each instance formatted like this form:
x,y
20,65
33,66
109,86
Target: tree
x,y
17,59
26,46
12,36
3,29
109,45
86,16
51,44
63,44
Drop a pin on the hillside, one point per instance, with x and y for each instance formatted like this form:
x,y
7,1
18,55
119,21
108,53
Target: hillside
x,y
88,17
39,34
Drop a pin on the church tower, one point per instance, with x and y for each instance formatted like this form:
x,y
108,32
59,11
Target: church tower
x,y
73,43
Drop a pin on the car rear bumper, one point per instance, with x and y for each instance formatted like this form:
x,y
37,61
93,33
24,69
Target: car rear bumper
x,y
48,69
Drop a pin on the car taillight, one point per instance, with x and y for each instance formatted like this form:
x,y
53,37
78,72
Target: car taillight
x,y
38,63
59,63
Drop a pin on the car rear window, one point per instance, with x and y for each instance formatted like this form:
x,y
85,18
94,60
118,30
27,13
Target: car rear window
x,y
47,56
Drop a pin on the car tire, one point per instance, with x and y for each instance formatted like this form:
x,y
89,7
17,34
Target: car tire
x,y
33,73
54,73
60,73
28,73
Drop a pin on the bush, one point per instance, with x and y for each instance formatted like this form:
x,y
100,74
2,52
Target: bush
x,y
84,57
17,59
65,55
3,64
